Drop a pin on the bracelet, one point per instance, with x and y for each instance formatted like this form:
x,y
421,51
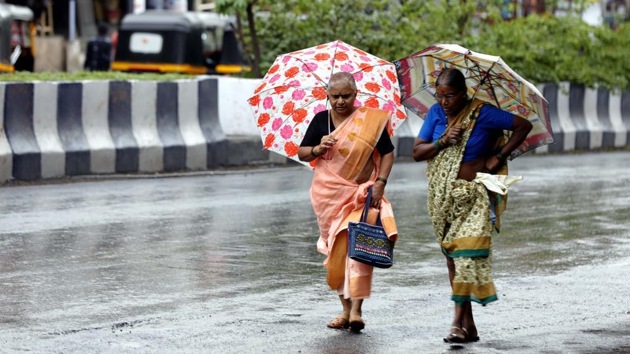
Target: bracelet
x,y
313,152
437,145
382,179
501,156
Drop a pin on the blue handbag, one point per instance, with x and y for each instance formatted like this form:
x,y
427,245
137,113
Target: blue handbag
x,y
368,243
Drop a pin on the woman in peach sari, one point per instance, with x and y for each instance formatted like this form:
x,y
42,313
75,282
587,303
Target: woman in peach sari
x,y
352,151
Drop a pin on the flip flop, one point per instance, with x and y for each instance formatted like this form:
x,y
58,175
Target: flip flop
x,y
469,338
454,337
339,323
472,339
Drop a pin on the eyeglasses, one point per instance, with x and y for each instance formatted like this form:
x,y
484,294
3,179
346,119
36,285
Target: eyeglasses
x,y
447,97
345,96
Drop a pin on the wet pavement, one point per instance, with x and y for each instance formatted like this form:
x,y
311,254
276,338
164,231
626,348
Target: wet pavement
x,y
226,263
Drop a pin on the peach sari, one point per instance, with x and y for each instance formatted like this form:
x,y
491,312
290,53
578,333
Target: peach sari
x,y
338,194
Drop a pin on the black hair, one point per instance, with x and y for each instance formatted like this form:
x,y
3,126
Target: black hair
x,y
102,29
452,77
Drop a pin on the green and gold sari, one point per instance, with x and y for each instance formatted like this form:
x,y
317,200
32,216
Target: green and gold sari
x,y
460,212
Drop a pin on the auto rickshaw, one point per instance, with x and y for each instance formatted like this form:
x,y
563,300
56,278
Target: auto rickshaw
x,y
195,43
16,37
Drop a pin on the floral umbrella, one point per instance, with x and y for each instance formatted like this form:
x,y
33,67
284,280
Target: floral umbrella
x,y
488,78
294,90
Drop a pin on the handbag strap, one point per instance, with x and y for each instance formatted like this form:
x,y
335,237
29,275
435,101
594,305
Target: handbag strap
x,y
366,208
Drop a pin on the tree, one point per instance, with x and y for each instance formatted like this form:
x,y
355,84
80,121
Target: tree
x,y
237,7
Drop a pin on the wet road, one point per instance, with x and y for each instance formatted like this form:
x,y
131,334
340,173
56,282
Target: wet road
x,y
226,263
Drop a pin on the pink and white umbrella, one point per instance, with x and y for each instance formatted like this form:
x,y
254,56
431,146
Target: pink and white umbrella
x,y
294,90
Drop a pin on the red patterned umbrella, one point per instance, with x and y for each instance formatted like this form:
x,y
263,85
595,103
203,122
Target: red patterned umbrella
x,y
294,90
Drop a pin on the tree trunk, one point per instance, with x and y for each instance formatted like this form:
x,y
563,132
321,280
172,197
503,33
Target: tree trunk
x,y
255,44
241,38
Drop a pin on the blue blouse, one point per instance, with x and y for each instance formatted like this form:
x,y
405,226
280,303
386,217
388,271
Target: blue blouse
x,y
490,120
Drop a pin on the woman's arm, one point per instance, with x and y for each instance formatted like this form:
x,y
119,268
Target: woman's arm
x,y
387,161
520,128
310,153
424,150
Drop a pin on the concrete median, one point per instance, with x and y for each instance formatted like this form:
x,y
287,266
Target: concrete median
x,y
57,129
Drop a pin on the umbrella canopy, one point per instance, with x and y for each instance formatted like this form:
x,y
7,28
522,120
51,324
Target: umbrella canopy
x,y
488,78
294,90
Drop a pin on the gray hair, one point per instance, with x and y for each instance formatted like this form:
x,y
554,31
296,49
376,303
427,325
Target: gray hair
x,y
342,78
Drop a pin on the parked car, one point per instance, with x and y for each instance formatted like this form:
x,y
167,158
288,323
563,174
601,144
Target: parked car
x,y
194,43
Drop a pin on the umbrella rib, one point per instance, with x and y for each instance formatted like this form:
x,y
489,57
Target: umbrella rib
x,y
483,79
494,94
311,72
511,95
332,68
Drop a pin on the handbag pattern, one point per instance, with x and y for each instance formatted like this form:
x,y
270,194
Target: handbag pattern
x,y
368,243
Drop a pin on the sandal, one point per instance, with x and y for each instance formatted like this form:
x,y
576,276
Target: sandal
x,y
356,324
470,338
457,335
339,323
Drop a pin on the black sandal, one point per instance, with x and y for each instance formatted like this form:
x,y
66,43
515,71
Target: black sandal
x,y
469,338
356,324
457,335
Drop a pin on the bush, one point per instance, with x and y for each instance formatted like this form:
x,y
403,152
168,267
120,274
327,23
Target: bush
x,y
540,48
552,49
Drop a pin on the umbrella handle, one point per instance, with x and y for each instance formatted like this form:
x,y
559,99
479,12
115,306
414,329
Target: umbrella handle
x,y
328,118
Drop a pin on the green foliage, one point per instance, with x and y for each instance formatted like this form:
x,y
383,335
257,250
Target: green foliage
x,y
231,5
553,49
540,48
381,27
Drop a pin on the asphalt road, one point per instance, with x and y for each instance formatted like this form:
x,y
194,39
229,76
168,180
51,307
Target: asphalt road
x,y
226,263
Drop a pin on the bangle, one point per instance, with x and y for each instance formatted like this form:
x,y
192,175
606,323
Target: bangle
x,y
313,152
382,179
437,145
502,156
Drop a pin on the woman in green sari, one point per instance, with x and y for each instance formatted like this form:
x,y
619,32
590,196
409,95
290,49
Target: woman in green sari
x,y
459,139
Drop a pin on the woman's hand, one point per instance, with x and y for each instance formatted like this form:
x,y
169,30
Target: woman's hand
x,y
520,128
327,142
493,164
377,194
454,135
378,188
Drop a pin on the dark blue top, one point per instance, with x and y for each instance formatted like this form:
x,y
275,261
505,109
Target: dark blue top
x,y
490,121
98,54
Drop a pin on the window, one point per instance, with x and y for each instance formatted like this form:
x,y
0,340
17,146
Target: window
x,y
147,43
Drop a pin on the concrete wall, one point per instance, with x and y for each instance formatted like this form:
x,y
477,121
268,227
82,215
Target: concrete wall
x,y
581,118
50,130
55,129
